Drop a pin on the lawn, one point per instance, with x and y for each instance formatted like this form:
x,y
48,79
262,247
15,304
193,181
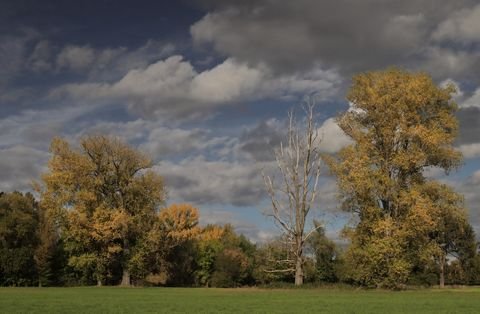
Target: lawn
x,y
200,300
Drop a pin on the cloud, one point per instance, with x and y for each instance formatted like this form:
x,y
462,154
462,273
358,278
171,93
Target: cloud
x,y
109,63
76,58
40,58
469,188
36,128
260,141
473,100
463,26
19,166
443,62
349,36
173,88
13,50
469,121
203,181
333,139
470,150
163,142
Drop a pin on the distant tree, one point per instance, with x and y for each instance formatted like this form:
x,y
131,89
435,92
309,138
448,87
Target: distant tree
x,y
401,123
18,238
46,250
294,195
208,245
325,253
452,236
166,247
224,258
104,198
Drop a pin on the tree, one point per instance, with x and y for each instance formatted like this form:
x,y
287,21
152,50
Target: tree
x,y
326,255
104,198
452,236
18,238
401,124
46,250
167,245
298,163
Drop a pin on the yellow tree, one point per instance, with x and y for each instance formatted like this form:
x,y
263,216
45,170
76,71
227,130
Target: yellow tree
x,y
104,197
401,123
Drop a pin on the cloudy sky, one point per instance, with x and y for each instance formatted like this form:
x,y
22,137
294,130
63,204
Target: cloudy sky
x,y
204,86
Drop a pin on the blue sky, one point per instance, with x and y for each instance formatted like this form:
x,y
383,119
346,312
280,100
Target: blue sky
x,y
204,86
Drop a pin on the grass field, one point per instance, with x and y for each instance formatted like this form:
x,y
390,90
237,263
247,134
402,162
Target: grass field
x,y
199,300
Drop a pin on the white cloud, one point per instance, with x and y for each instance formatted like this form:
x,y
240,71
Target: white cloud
x,y
472,101
172,87
333,139
458,95
470,150
462,26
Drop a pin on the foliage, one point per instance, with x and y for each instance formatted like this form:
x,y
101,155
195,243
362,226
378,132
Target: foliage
x,y
18,238
401,123
327,257
104,199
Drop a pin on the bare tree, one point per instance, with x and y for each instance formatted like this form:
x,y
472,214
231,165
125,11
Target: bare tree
x,y
293,196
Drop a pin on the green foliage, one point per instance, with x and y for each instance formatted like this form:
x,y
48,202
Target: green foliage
x,y
327,257
18,238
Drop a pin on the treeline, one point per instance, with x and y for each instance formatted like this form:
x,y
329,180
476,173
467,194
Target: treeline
x,y
179,253
101,215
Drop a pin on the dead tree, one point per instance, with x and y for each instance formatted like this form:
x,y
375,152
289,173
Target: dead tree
x,y
293,196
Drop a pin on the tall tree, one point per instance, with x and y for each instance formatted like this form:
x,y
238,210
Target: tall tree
x,y
105,198
294,195
401,123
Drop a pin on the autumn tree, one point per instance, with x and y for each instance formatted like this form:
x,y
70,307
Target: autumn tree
x,y
166,248
401,124
104,198
294,194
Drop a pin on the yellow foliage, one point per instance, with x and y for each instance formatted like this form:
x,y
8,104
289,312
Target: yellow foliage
x,y
180,221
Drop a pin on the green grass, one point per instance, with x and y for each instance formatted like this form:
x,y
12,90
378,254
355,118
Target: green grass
x,y
200,300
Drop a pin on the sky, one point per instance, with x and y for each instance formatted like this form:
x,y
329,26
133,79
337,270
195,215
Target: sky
x,y
204,87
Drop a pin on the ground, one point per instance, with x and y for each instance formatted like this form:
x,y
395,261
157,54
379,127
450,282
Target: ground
x,y
201,300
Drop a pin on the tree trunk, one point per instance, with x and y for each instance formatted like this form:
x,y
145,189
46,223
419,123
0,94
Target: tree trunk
x,y
298,271
125,278
442,272
126,273
99,282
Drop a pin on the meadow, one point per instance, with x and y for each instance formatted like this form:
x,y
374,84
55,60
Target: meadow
x,y
248,300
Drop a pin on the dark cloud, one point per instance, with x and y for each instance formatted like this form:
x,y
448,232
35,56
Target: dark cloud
x,y
260,141
19,166
348,35
469,120
213,182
